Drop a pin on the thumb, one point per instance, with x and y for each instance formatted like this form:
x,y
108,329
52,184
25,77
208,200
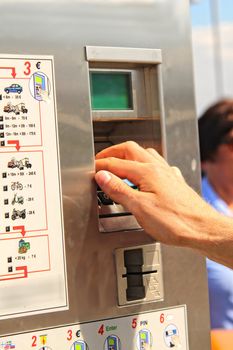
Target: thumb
x,y
116,189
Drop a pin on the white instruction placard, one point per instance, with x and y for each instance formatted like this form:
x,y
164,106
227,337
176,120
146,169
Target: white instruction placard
x,y
32,264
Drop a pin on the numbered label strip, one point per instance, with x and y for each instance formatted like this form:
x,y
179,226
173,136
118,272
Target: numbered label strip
x,y
158,330
32,267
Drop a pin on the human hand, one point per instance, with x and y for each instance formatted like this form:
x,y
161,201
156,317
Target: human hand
x,y
165,206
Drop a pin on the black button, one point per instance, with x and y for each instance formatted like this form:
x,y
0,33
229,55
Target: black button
x,y
104,199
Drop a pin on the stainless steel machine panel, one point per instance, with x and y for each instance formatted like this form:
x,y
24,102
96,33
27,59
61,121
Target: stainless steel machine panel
x,y
63,30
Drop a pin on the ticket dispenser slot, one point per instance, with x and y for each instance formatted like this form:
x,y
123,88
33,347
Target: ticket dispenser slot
x,y
139,274
126,104
133,261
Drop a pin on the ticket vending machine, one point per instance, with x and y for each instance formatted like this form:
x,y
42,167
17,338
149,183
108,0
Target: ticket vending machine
x,y
76,269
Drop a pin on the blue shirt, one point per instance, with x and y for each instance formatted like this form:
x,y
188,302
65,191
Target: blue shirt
x,y
220,277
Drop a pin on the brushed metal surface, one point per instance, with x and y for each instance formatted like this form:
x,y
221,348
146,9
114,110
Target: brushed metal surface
x,y
63,29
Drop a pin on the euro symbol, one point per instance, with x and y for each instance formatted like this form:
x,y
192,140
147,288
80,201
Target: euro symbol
x,y
38,65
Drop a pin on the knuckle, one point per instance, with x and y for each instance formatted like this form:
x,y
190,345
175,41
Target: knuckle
x,y
150,149
108,162
177,172
132,144
151,168
117,188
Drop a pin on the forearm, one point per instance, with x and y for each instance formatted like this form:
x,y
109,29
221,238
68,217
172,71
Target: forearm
x,y
212,236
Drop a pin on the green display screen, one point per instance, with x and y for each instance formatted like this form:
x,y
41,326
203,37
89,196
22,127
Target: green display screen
x,y
111,91
78,347
143,336
38,79
111,341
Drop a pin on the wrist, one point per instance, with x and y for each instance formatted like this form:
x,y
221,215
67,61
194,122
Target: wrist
x,y
214,235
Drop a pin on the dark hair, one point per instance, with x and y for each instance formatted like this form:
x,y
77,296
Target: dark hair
x,y
214,126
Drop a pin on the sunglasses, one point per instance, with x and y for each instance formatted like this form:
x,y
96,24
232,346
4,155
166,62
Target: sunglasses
x,y
228,140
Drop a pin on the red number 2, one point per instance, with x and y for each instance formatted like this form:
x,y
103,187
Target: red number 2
x,y
34,341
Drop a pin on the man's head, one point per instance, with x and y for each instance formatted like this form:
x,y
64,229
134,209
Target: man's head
x,y
215,129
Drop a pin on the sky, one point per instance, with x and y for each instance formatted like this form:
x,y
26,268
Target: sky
x,y
201,11
205,73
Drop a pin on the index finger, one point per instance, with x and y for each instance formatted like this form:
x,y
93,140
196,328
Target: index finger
x,y
128,150
125,169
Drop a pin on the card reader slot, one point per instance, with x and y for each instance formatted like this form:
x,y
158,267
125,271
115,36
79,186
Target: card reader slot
x,y
133,261
113,215
141,273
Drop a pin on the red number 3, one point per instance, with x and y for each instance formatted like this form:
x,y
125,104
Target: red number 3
x,y
69,336
28,68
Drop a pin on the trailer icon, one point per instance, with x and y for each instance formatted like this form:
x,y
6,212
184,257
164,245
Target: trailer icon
x,y
20,164
20,107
